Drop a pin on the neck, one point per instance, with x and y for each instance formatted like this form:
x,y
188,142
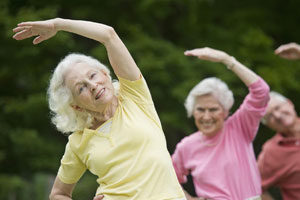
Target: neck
x,y
106,114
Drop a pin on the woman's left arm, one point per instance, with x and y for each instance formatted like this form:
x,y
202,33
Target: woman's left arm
x,y
119,57
244,73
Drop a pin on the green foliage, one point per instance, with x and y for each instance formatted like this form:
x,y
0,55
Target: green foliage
x,y
156,33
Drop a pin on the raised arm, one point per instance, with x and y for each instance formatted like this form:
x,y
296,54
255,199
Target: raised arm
x,y
245,74
119,57
289,51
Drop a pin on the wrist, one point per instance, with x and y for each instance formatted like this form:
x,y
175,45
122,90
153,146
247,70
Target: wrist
x,y
230,62
58,24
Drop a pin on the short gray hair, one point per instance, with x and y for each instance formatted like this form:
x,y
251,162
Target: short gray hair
x,y
64,117
277,96
213,86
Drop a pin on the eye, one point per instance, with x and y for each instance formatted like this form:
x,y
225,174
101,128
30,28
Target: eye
x,y
213,109
81,88
200,109
93,75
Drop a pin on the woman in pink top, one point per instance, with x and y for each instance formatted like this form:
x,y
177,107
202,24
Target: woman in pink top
x,y
220,154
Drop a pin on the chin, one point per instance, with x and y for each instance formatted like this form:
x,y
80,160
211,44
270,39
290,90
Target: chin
x,y
209,133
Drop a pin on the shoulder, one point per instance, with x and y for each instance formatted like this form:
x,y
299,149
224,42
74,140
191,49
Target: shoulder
x,y
77,135
76,138
188,140
270,149
137,90
271,144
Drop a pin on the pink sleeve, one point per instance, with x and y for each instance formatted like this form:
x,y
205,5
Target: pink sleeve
x,y
247,118
178,163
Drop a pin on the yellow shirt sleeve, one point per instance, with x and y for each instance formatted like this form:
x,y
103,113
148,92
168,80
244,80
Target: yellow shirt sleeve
x,y
137,90
71,168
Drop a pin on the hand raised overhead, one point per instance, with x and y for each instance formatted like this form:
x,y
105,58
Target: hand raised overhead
x,y
42,29
209,54
289,51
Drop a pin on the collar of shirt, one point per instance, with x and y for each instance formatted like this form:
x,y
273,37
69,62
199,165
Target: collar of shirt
x,y
287,141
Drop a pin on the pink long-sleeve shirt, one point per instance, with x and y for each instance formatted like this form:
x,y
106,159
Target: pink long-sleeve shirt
x,y
224,167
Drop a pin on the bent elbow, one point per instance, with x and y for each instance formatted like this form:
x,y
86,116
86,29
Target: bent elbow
x,y
111,34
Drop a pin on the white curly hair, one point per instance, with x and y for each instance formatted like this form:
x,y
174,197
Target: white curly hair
x,y
64,117
213,86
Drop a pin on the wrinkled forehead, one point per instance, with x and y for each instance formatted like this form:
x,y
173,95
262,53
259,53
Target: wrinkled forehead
x,y
77,72
207,100
275,102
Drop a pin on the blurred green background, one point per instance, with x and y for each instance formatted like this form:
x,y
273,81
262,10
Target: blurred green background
x,y
156,32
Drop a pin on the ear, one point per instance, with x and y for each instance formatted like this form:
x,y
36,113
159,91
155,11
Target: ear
x,y
75,107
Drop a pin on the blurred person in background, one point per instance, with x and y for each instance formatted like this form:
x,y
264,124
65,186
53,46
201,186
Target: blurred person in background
x,y
279,160
115,130
219,155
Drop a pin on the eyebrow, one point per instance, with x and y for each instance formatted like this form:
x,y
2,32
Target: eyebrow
x,y
87,73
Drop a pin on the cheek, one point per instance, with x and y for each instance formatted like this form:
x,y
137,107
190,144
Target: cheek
x,y
81,99
221,116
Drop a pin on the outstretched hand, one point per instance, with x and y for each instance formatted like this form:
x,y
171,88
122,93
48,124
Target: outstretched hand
x,y
98,197
289,51
42,29
209,54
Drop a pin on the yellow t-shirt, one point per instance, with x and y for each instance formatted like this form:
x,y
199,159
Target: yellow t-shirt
x,y
128,153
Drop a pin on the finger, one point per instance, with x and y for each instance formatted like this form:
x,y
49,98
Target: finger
x,y
23,35
192,52
29,23
18,29
36,24
279,49
187,53
38,39
283,48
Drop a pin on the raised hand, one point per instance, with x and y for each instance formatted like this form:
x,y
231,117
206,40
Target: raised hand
x,y
42,29
289,51
245,74
209,54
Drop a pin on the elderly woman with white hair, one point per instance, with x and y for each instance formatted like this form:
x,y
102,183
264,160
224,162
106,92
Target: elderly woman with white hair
x,y
115,132
219,155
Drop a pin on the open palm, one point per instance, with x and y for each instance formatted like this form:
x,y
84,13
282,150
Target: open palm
x,y
42,29
207,53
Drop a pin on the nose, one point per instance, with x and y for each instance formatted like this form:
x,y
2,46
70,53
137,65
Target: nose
x,y
206,115
92,86
276,114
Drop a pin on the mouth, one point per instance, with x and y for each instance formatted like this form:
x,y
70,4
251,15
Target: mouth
x,y
207,124
100,93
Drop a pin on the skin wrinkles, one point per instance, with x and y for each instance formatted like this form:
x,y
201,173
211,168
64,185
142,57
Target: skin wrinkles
x,y
91,88
209,115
